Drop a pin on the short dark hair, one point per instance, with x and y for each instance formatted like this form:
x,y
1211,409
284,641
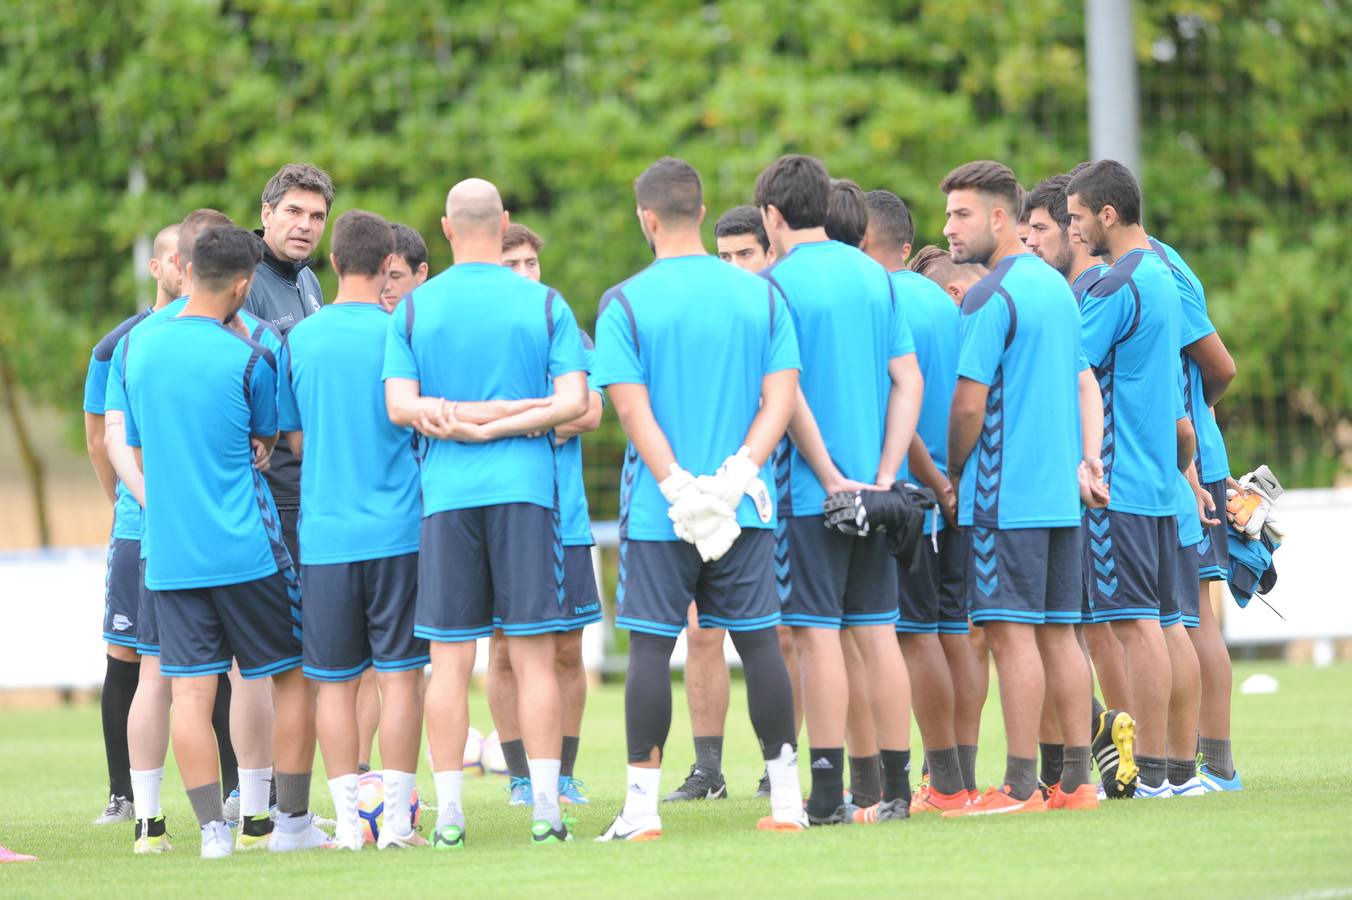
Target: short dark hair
x,y
670,188
193,224
518,234
410,245
846,212
798,187
361,242
299,177
223,253
890,219
1109,183
743,220
1050,194
989,177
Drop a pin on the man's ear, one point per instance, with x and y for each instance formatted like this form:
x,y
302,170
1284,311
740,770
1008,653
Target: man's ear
x,y
1108,215
333,261
265,214
446,229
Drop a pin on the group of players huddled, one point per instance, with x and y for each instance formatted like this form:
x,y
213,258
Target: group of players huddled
x,y
841,452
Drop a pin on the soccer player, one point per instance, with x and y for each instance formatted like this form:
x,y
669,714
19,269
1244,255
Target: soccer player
x,y
199,398
739,235
654,333
407,270
1056,243
581,598
1208,371
359,536
121,588
1131,336
490,546
854,419
932,624
295,208
1019,488
846,212
938,266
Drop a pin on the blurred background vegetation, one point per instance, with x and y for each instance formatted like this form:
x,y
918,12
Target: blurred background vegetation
x,y
118,116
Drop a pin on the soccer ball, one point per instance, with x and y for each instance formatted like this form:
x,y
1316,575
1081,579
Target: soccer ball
x,y
493,760
474,752
371,805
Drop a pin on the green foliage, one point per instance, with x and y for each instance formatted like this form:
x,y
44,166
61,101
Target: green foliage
x,y
563,102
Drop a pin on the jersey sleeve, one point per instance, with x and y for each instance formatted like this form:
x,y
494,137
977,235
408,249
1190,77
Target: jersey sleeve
x,y
1196,322
96,385
1104,317
115,384
617,359
400,361
783,353
288,412
902,340
263,397
566,353
981,347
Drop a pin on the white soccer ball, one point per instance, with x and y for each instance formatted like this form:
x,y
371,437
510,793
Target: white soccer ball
x,y
474,752
493,759
371,805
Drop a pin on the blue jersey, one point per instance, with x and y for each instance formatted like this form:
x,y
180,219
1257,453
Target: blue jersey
x,y
359,477
849,326
1189,523
1131,338
933,318
1213,463
196,391
1020,335
478,331
116,393
1086,279
701,335
126,511
575,518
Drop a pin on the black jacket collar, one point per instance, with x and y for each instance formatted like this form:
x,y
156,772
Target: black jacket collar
x,y
283,267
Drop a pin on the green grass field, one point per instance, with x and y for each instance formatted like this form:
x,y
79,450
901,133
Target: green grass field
x,y
1288,834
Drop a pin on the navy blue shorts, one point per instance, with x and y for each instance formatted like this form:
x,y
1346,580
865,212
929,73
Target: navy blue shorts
x,y
490,565
361,614
147,623
121,593
1186,587
1129,567
1027,575
658,578
289,516
834,580
931,599
1213,553
582,600
258,623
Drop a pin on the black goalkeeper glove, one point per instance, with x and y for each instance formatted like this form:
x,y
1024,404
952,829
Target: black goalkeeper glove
x,y
899,513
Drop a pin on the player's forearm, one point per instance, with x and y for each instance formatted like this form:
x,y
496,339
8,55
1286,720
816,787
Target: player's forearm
x,y
635,412
1216,364
125,460
903,411
923,468
404,402
588,421
1091,416
1187,443
296,441
484,412
965,416
98,455
807,438
568,402
779,393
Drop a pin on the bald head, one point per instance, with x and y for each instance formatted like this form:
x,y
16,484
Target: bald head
x,y
474,209
166,241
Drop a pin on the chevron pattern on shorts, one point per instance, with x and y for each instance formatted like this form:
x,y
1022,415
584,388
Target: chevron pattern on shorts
x,y
783,577
1101,553
989,450
628,475
984,571
556,519
1104,374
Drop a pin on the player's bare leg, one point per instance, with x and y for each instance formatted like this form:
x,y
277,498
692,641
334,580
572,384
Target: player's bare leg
x,y
447,720
539,712
1184,703
368,719
1148,671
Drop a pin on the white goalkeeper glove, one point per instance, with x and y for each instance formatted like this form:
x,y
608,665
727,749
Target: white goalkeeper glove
x,y
1251,509
718,539
739,476
695,516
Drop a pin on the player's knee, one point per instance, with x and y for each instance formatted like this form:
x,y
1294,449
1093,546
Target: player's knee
x,y
123,654
568,653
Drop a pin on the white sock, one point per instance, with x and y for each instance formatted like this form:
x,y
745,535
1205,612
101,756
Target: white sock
x,y
293,823
786,795
544,782
344,791
449,810
398,801
145,792
254,787
640,800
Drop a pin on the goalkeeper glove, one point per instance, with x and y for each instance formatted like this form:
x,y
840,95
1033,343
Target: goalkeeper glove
x,y
899,512
697,517
739,476
1251,508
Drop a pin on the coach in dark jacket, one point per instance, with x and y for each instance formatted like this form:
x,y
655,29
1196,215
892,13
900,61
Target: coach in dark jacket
x,y
296,204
